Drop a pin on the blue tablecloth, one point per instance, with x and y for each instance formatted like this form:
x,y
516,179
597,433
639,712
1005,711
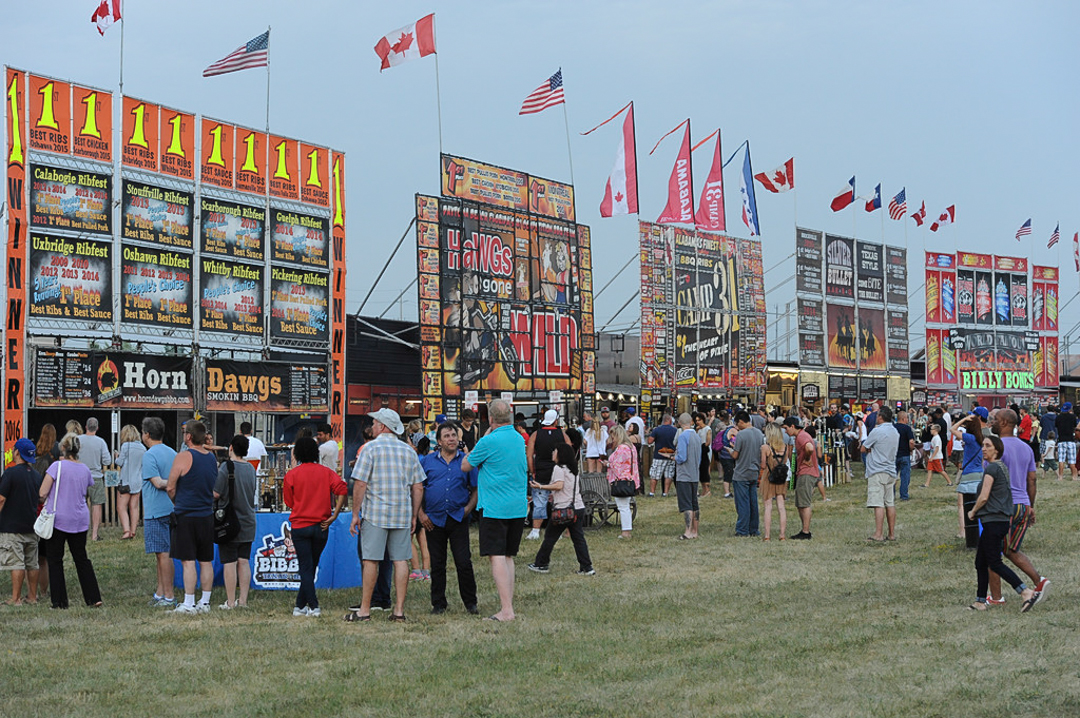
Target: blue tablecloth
x,y
273,562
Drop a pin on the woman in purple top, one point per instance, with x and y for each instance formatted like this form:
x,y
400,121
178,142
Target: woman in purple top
x,y
64,491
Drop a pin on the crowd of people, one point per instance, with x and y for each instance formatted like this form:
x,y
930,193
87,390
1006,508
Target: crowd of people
x,y
414,495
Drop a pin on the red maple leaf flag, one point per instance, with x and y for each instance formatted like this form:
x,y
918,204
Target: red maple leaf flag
x,y
947,217
107,12
407,43
620,194
710,212
780,179
680,204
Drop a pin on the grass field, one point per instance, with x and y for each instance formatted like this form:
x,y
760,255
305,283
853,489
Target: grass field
x,y
719,626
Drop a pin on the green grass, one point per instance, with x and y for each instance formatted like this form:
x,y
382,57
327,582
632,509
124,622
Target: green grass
x,y
720,626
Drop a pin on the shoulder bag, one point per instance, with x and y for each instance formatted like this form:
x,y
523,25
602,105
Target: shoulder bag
x,y
226,524
625,488
43,526
567,516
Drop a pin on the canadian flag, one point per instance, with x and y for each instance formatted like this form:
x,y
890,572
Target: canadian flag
x,y
620,195
919,216
710,212
947,217
780,179
407,43
106,14
680,203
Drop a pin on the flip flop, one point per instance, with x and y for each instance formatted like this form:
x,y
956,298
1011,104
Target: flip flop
x,y
353,617
975,606
1029,604
397,619
493,618
871,539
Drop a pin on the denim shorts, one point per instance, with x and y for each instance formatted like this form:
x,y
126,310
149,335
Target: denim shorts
x,y
540,503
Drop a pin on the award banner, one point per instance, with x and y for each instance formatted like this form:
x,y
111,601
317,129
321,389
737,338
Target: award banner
x,y
71,200
157,215
1044,299
50,115
299,305
839,267
284,168
177,143
933,356
216,166
93,124
314,175
139,136
250,161
157,287
898,360
231,229
299,239
870,285
231,299
808,254
70,278
1019,285
896,285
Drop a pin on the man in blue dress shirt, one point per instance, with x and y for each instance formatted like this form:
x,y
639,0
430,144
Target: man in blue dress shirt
x,y
449,498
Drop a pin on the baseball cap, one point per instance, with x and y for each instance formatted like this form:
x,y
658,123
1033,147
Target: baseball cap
x,y
981,412
1067,406
631,410
440,418
603,409
26,450
388,418
550,417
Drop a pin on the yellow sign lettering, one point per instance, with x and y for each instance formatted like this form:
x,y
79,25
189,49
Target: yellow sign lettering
x,y
47,119
176,147
339,216
282,171
138,132
313,179
16,154
90,128
215,151
249,158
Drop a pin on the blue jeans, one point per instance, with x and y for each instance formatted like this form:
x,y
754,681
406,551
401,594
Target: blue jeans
x,y
540,499
309,543
746,508
903,470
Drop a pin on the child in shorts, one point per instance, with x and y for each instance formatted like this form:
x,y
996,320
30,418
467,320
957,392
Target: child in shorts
x,y
1049,457
936,463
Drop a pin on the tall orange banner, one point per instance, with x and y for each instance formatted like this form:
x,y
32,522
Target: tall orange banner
x,y
284,168
177,144
216,166
50,115
314,175
92,138
250,161
15,324
139,138
337,323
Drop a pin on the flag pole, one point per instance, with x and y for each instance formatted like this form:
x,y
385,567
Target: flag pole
x,y
438,91
569,154
268,80
122,23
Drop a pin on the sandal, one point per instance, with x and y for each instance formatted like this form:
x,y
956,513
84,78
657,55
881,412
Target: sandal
x,y
353,617
397,619
1029,604
977,606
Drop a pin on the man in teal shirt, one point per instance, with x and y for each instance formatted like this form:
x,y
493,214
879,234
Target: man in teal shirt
x,y
503,499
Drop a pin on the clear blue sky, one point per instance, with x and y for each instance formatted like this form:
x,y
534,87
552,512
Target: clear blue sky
x,y
965,103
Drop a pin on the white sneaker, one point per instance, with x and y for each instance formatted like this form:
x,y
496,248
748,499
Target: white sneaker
x,y
534,535
300,611
184,608
202,607
225,606
315,612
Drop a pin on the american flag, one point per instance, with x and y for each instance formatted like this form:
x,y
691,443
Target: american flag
x,y
1054,237
898,204
1025,229
547,95
256,53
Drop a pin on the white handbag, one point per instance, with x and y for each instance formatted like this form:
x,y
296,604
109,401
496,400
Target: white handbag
x,y
43,527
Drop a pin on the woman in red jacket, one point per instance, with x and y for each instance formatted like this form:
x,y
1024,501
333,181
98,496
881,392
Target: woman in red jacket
x,y
307,492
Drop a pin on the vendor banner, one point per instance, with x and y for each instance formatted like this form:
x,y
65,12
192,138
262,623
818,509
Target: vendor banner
x,y
1044,299
870,275
812,350
940,288
299,305
839,267
898,360
50,115
142,381
896,276
70,278
71,200
250,161
965,296
177,143
231,297
216,166
1003,299
872,346
299,239
139,134
842,333
284,168
808,255
1018,284
1045,365
231,229
499,187
811,316
157,287
933,356
265,386
157,215
1014,350
93,126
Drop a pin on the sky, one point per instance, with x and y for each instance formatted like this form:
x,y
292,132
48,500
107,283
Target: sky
x,y
971,104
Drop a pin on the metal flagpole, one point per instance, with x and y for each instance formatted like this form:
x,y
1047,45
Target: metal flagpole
x,y
122,23
268,80
438,92
566,120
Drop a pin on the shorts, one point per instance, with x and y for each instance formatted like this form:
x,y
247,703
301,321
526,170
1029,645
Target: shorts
x,y
728,465
1021,520
96,493
193,538
500,537
1066,452
18,552
662,468
232,551
156,535
879,490
804,489
935,465
540,503
395,544
686,492
956,457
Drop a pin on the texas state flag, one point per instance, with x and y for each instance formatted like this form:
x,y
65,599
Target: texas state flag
x,y
874,202
845,197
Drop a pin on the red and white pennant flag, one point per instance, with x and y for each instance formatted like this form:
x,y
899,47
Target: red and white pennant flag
x,y
780,179
407,43
107,13
680,204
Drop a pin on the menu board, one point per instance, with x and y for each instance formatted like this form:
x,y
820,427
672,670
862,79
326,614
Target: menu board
x,y
299,305
843,386
232,229
71,200
872,388
299,239
308,388
157,215
232,297
63,378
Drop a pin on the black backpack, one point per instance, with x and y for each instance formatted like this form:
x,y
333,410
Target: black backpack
x,y
779,473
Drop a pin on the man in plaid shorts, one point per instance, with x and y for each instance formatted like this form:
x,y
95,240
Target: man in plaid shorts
x,y
663,463
1020,461
1065,424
